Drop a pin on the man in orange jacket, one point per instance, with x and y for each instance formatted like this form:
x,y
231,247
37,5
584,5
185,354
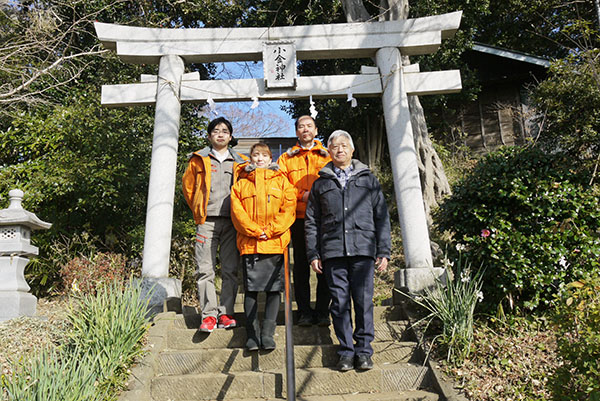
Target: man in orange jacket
x,y
301,165
207,185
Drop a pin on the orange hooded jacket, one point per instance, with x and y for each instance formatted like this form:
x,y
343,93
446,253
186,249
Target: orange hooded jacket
x,y
301,167
196,181
262,200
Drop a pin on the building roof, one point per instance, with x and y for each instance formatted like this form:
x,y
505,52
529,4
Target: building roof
x,y
511,54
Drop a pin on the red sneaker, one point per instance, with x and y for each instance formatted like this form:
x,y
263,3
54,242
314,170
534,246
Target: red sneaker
x,y
226,322
208,324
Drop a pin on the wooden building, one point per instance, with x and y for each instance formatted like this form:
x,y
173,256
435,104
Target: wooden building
x,y
501,115
278,145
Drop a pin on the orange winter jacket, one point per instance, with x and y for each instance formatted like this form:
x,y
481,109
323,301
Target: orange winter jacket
x,y
262,200
301,167
196,180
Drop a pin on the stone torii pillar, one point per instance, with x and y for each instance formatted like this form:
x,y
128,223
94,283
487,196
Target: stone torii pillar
x,y
405,169
381,40
161,187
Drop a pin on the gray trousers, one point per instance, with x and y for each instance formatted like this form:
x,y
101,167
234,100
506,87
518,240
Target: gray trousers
x,y
216,234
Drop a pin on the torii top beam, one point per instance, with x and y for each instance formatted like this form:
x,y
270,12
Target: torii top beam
x,y
352,40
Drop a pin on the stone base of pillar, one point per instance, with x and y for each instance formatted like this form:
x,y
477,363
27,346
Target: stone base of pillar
x,y
416,280
16,303
164,294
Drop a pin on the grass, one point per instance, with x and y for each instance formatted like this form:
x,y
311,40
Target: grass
x,y
100,338
450,306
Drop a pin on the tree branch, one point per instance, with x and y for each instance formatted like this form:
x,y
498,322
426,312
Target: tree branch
x,y
8,96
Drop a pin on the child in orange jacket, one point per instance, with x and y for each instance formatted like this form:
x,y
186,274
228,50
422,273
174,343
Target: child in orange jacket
x,y
263,205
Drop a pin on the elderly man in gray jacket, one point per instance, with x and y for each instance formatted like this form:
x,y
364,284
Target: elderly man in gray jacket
x,y
347,230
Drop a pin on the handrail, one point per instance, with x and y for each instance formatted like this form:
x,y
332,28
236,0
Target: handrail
x,y
289,340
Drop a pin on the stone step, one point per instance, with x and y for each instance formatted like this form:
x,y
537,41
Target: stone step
x,y
305,356
313,289
409,395
309,382
191,319
181,338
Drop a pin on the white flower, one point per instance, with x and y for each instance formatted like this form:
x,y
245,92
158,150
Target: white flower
x,y
464,277
480,296
75,286
447,262
563,262
460,247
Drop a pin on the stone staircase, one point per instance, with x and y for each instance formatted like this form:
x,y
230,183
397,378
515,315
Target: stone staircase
x,y
185,364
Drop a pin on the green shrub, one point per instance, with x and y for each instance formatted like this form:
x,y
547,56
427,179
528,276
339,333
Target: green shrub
x,y
44,272
527,217
577,321
86,274
106,337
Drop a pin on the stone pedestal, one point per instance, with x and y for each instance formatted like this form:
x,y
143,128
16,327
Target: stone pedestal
x,y
163,294
15,299
415,281
16,304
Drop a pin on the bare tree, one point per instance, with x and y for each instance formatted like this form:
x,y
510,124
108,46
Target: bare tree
x,y
38,53
254,123
434,182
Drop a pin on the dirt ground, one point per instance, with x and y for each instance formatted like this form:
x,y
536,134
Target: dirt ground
x,y
21,337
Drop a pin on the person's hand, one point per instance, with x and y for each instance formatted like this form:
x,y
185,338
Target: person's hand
x,y
263,236
317,266
305,196
381,264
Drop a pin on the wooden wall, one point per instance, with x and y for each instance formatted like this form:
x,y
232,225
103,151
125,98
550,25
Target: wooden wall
x,y
494,120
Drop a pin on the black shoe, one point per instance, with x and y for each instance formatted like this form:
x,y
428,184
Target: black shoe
x,y
266,334
322,321
344,364
252,335
252,344
305,320
363,362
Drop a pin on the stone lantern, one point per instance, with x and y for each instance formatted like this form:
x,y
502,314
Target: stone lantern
x,y
15,247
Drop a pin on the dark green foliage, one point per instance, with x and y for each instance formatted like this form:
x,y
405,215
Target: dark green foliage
x,y
546,28
79,163
182,262
531,26
568,103
444,108
529,220
84,167
577,322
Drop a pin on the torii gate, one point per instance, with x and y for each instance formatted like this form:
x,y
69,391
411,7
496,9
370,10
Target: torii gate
x,y
385,41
